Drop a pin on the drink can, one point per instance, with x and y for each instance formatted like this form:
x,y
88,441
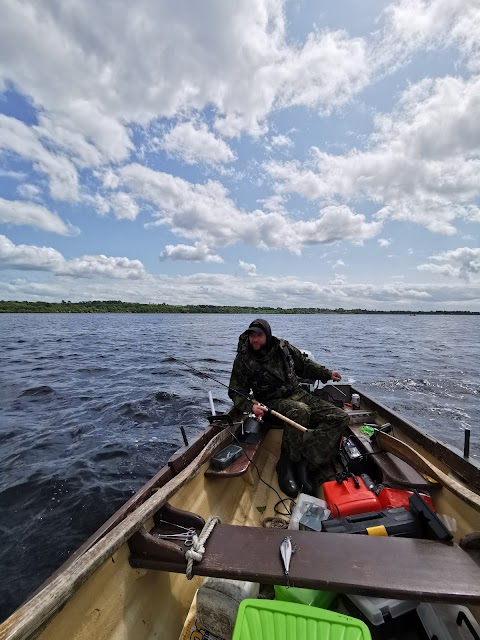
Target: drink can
x,y
355,401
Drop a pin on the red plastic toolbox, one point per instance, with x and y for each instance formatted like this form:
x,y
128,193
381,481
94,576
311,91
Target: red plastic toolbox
x,y
346,499
394,498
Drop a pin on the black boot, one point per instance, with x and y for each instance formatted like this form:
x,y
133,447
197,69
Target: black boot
x,y
304,482
286,477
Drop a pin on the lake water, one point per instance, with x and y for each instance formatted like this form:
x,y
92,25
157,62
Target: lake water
x,y
91,406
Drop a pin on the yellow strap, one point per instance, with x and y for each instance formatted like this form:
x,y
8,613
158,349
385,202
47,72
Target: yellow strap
x,y
377,531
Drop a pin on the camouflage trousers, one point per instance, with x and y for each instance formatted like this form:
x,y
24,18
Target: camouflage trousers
x,y
328,424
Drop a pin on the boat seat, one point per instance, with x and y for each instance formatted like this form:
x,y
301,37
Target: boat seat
x,y
393,470
405,568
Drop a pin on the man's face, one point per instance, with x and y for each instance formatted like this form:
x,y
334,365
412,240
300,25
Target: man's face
x,y
257,340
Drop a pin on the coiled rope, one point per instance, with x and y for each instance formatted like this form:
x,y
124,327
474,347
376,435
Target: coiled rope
x,y
196,551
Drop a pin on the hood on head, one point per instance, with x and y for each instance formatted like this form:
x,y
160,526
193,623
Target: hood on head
x,y
261,326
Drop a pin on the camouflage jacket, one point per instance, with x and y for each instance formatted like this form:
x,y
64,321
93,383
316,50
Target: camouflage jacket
x,y
273,376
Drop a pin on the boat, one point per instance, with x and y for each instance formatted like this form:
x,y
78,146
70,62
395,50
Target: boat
x,y
129,579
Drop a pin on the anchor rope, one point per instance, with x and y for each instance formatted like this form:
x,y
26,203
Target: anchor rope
x,y
196,551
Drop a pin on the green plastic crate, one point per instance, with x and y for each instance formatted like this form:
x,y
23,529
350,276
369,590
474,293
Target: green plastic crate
x,y
312,597
274,620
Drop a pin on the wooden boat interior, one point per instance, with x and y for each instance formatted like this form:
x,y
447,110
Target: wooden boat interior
x,y
141,591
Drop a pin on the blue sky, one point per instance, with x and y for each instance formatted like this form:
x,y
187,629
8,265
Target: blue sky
x,y
302,153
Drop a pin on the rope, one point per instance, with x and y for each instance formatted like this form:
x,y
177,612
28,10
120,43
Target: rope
x,y
197,549
275,523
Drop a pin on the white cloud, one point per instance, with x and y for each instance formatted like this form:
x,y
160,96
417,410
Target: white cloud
x,y
91,83
28,213
463,262
383,242
28,257
124,206
338,263
194,211
32,258
248,268
16,137
29,191
199,252
421,165
220,289
412,25
281,141
192,142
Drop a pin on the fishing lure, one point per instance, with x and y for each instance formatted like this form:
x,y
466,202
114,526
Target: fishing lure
x,y
287,549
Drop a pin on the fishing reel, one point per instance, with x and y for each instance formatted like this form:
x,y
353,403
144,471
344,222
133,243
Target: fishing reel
x,y
253,429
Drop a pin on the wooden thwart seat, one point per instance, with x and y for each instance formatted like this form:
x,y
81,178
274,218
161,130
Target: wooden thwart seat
x,y
403,568
394,471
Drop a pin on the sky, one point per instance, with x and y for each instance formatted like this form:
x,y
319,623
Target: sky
x,y
258,152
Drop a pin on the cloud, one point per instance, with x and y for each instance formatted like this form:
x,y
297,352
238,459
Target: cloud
x,y
28,213
413,25
91,85
194,210
463,262
421,163
192,142
383,242
29,191
32,258
221,289
248,268
199,252
16,137
124,206
338,263
28,257
281,141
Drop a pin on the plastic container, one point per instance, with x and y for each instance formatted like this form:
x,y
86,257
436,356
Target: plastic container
x,y
355,401
448,622
347,498
377,609
273,620
310,597
303,502
394,498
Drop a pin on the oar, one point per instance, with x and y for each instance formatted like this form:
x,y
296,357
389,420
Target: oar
x,y
409,455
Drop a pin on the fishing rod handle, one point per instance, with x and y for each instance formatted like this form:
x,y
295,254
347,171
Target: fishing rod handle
x,y
287,420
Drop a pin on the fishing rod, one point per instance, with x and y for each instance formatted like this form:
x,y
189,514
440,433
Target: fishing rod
x,y
242,395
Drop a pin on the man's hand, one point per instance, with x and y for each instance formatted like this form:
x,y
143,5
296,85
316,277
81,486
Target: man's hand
x,y
259,409
336,377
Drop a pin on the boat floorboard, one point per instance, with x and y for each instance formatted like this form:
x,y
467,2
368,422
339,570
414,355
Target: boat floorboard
x,y
378,566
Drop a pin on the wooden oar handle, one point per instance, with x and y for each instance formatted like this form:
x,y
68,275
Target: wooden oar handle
x,y
287,420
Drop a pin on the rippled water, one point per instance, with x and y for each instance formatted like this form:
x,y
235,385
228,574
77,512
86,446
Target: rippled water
x,y
91,405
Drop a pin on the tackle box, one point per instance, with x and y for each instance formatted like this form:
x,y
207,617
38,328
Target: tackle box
x,y
394,498
349,497
225,457
448,622
389,522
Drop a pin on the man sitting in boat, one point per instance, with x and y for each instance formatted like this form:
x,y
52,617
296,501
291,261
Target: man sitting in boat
x,y
271,368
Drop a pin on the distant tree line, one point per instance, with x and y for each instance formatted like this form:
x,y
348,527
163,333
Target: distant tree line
x,y
117,306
